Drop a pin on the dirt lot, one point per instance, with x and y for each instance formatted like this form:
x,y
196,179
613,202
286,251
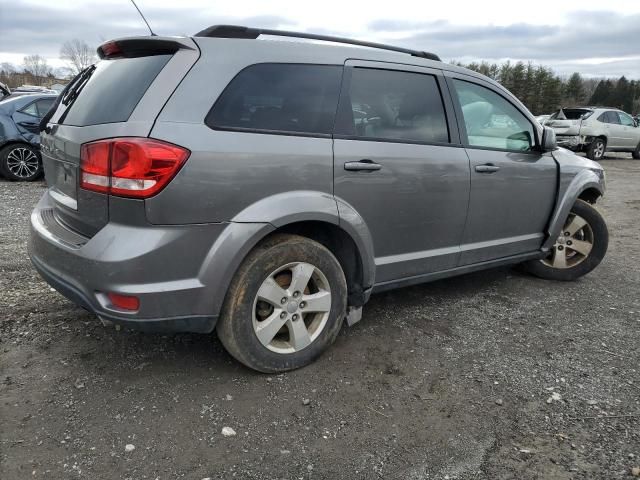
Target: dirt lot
x,y
495,375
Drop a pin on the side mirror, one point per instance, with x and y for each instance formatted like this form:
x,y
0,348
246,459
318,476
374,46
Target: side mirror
x,y
548,140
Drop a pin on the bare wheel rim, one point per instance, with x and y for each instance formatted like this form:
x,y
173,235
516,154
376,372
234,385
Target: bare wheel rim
x,y
291,308
22,162
573,245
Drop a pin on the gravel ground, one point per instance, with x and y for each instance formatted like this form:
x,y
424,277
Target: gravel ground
x,y
494,375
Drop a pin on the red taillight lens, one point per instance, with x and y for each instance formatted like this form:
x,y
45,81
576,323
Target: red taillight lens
x,y
125,302
129,167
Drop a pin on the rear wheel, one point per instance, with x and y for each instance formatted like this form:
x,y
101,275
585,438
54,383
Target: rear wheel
x,y
579,248
285,305
20,162
596,149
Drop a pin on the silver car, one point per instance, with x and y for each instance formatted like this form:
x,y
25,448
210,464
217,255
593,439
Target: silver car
x,y
265,189
596,130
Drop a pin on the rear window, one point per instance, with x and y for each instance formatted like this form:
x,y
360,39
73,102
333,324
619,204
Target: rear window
x,y
112,91
571,114
279,98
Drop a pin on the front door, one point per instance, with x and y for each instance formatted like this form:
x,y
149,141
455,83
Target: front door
x,y
629,131
398,162
513,185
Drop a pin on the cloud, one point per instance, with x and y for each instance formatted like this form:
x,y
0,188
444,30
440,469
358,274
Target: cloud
x,y
29,28
587,35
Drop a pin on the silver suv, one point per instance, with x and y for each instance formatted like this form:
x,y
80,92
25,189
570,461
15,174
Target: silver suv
x,y
596,130
267,188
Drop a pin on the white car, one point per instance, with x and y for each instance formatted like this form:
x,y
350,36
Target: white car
x,y
542,119
596,130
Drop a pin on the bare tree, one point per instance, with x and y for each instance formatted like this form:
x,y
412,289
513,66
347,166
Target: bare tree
x,y
37,67
78,55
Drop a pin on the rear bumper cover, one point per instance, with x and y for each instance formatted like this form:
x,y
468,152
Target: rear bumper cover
x,y
159,265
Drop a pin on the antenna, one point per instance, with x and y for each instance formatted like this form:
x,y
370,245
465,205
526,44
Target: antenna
x,y
145,20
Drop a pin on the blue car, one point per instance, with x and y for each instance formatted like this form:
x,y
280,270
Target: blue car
x,y
20,136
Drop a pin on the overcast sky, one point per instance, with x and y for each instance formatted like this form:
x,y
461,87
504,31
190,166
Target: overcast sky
x,y
594,37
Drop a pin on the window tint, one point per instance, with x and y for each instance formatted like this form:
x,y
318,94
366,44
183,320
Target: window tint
x,y
44,105
394,105
280,97
626,119
491,121
612,117
112,91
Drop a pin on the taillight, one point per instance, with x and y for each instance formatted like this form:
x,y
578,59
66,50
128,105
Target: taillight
x,y
129,167
110,49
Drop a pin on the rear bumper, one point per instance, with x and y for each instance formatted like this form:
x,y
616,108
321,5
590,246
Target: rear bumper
x,y
572,142
159,265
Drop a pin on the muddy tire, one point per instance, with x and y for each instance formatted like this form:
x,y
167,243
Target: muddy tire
x,y
580,248
285,305
597,149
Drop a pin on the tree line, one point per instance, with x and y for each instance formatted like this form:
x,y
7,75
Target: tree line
x,y
543,91
35,70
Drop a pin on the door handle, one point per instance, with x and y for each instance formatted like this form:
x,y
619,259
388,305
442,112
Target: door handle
x,y
366,165
488,168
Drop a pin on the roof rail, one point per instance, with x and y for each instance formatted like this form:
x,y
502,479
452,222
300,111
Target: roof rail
x,y
235,31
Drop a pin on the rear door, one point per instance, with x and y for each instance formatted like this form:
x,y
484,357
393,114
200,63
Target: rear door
x,y
513,185
120,96
398,162
630,132
615,130
27,119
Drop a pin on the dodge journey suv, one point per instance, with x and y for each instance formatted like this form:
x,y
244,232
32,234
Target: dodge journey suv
x,y
266,189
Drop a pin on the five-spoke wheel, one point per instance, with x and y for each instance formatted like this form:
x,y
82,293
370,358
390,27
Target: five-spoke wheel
x,y
285,304
578,249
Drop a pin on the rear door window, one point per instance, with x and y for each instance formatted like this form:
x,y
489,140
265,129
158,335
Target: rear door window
x,y
279,98
394,105
612,117
111,92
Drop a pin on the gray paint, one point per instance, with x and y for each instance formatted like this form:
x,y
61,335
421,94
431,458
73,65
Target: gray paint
x,y
426,214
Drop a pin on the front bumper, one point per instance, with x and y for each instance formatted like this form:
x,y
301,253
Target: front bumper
x,y
160,265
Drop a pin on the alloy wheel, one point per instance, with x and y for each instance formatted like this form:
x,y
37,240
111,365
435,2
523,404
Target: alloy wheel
x,y
22,162
599,150
573,245
291,308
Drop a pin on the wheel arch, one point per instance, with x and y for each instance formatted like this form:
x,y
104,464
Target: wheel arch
x,y
587,185
315,215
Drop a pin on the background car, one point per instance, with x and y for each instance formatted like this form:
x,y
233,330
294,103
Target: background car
x,y
4,91
19,135
596,130
542,119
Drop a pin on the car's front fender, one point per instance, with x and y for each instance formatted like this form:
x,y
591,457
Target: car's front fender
x,y
569,193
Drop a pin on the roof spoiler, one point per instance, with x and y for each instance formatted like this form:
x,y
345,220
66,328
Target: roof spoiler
x,y
141,47
236,31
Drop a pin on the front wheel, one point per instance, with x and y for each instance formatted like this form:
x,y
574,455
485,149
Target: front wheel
x,y
20,162
284,306
580,247
636,153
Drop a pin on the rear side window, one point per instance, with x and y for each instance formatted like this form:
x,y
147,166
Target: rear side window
x,y
112,91
280,98
39,107
394,106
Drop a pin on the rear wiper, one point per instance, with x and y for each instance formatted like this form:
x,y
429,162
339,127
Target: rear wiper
x,y
72,93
